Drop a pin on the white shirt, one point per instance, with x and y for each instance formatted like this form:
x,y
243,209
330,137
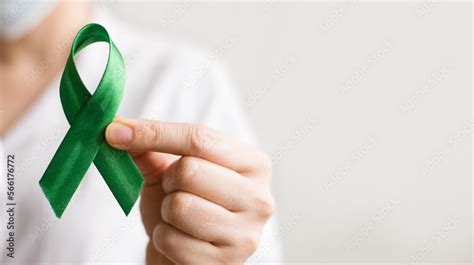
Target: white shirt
x,y
166,81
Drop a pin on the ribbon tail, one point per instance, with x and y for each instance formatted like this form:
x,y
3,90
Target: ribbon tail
x,y
67,169
121,175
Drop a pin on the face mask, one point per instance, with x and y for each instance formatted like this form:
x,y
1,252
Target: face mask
x,y
19,17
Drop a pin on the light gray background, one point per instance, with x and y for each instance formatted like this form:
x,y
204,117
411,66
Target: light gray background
x,y
366,109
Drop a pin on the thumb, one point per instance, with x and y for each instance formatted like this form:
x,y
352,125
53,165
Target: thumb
x,y
118,134
152,165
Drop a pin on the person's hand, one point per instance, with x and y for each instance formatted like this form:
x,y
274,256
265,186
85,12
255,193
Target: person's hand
x,y
206,196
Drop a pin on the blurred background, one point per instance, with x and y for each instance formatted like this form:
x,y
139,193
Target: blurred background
x,y
365,109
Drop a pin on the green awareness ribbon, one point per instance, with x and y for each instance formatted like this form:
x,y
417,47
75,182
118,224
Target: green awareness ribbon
x,y
85,142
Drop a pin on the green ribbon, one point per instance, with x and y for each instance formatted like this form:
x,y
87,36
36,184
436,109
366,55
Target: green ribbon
x,y
85,142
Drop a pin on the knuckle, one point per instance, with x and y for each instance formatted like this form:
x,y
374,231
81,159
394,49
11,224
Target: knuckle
x,y
223,257
151,131
201,138
186,170
264,206
224,260
249,243
178,207
267,163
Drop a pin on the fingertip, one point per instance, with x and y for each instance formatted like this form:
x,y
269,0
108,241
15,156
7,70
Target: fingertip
x,y
118,134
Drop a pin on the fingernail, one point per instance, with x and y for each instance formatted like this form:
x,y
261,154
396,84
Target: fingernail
x,y
118,134
157,237
165,205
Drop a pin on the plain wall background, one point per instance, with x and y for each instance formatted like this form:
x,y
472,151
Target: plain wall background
x,y
365,109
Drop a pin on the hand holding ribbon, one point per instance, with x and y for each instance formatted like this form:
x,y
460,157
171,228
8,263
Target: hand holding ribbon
x,y
84,142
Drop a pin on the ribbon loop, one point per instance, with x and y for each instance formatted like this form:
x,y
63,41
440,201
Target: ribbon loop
x,y
84,142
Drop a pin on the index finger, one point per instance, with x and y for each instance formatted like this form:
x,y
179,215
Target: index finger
x,y
186,140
